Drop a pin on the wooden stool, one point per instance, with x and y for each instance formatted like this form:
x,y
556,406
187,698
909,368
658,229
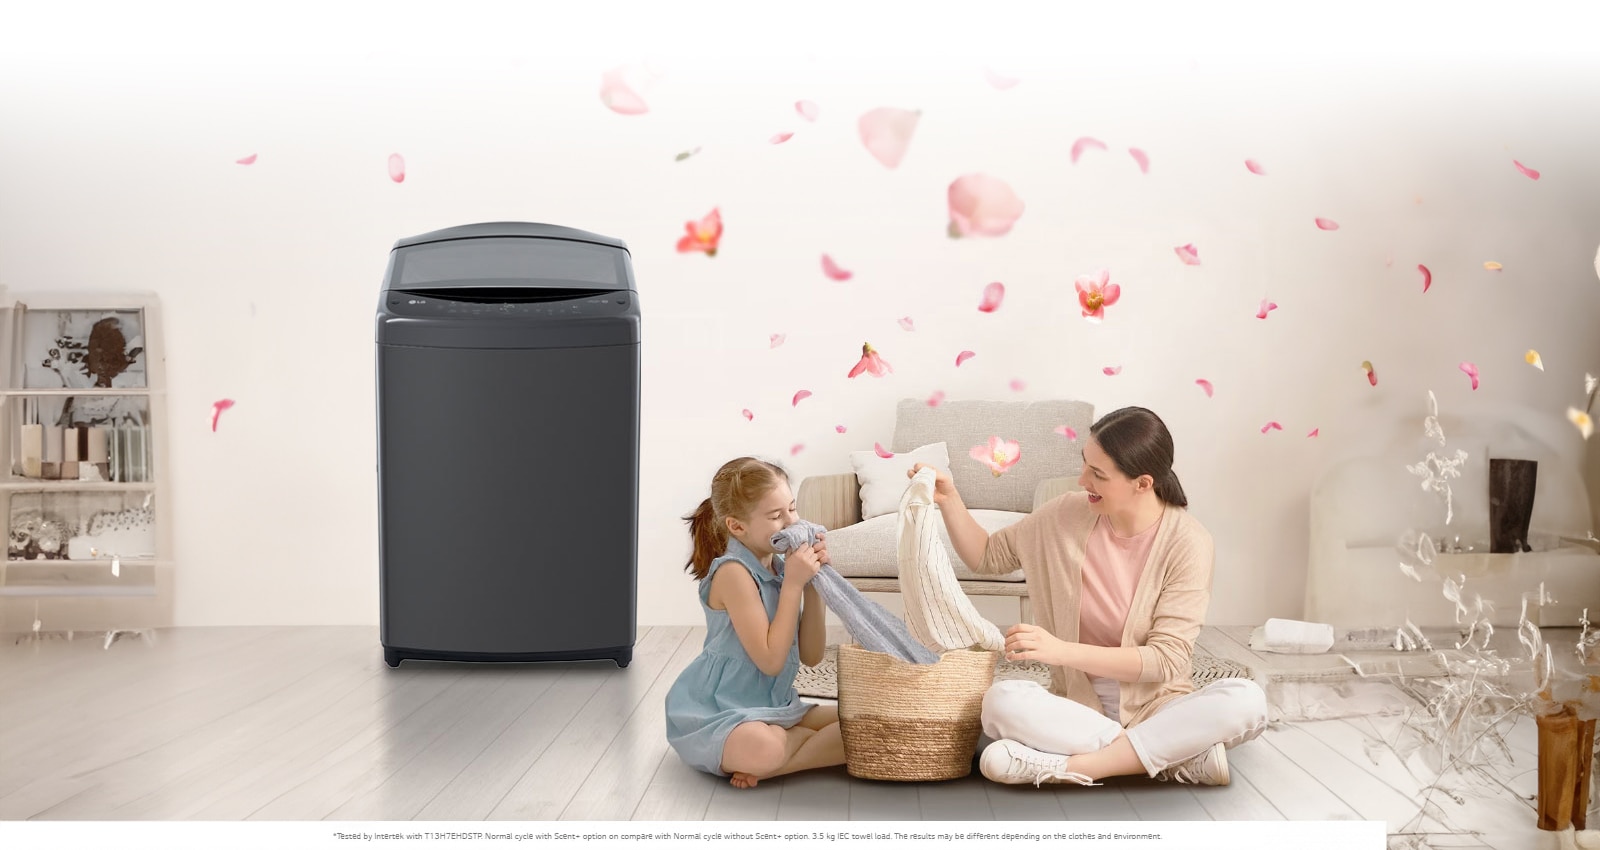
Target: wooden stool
x,y
1566,751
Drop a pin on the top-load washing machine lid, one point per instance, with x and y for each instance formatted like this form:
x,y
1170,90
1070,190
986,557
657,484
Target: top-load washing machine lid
x,y
502,261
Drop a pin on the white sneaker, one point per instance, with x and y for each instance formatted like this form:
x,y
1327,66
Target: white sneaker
x,y
1014,764
1208,768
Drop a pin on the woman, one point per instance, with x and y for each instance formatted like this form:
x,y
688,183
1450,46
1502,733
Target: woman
x,y
1120,577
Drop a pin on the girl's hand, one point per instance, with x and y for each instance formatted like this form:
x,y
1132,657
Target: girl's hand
x,y
944,487
1027,642
822,549
801,566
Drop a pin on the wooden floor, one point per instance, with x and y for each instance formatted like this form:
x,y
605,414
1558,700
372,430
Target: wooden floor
x,y
308,723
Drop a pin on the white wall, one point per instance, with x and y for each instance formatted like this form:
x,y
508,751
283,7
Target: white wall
x,y
117,171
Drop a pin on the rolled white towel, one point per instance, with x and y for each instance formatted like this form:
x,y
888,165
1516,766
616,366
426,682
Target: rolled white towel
x,y
1292,637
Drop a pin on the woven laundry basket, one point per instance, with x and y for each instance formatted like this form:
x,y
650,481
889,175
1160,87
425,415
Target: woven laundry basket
x,y
907,722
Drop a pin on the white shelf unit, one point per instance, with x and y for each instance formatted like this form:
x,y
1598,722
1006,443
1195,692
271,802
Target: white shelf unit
x,y
98,589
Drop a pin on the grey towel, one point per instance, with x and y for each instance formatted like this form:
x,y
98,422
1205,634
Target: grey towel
x,y
869,623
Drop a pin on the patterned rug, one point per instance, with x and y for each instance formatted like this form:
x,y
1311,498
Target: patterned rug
x,y
822,680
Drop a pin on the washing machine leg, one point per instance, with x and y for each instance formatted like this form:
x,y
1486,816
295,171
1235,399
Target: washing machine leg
x,y
625,657
390,657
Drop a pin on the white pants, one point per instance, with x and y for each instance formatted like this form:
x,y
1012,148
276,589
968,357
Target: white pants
x,y
1228,710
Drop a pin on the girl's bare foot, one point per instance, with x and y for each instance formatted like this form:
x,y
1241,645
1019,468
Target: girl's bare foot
x,y
743,780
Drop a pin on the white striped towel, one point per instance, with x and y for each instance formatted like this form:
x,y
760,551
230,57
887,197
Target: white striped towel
x,y
939,614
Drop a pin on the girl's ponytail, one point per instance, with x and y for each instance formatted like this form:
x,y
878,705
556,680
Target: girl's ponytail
x,y
710,539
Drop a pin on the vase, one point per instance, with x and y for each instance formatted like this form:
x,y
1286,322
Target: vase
x,y
1511,486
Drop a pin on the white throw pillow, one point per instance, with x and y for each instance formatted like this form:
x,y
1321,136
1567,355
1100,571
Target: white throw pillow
x,y
883,479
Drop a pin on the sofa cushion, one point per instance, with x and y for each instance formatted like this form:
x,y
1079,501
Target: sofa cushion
x,y
869,549
883,479
964,424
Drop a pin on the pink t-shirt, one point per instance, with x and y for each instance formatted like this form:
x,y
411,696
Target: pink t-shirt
x,y
1111,570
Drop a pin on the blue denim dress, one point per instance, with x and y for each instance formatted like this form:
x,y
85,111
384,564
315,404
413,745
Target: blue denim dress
x,y
723,687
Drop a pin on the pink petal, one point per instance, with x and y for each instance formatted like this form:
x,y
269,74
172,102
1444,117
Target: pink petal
x,y
1188,254
1271,426
776,340
886,132
936,399
981,205
397,168
1019,385
1314,432
780,138
839,428
1266,307
1205,385
1472,372
1327,224
1112,370
748,416
1530,173
1255,167
1427,276
965,356
1372,374
905,322
803,394
795,449
246,160
216,410
618,96
882,452
993,294
832,270
1083,144
1110,293
1067,431
999,82
1142,158
807,109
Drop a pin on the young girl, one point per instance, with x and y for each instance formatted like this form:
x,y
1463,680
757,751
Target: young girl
x,y
734,710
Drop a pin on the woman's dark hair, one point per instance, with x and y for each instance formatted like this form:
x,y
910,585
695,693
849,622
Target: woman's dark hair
x,y
1139,443
736,489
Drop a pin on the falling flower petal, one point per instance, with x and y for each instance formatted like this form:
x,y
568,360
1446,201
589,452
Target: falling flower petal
x,y
1084,144
1109,371
246,160
1255,167
1188,254
703,235
1000,455
1266,307
1372,376
776,340
397,168
216,410
1534,360
993,294
999,82
839,428
618,96
1018,385
807,109
803,394
1427,277
1528,172
882,452
686,154
936,399
832,270
1204,384
1492,266
886,132
981,205
1095,293
1584,421
965,356
1314,432
748,416
870,362
1271,426
1472,372
795,449
1327,224
1142,158
905,322
1067,431
780,138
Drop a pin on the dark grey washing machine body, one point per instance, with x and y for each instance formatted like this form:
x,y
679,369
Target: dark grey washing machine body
x,y
508,446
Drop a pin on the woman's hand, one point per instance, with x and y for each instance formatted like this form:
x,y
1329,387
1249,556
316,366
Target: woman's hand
x,y
801,566
1027,642
944,487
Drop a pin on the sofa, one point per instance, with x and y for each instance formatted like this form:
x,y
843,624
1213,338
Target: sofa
x,y
864,548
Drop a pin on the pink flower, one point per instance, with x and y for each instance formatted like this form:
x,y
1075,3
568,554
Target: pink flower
x,y
216,410
1266,307
748,416
1000,455
1095,293
839,428
1188,254
886,132
703,235
871,362
981,205
993,294
1471,371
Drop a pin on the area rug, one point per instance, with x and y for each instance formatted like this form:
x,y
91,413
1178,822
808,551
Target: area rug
x,y
822,680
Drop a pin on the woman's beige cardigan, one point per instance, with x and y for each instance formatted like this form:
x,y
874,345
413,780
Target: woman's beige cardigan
x,y
1168,608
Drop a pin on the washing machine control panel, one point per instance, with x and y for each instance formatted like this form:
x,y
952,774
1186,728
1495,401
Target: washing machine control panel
x,y
421,306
